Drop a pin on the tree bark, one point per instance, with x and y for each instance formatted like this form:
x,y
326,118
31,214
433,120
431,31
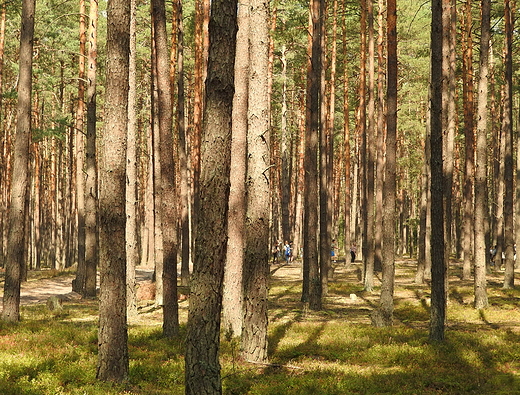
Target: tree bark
x,y
232,303
469,138
17,209
182,148
389,186
81,272
369,222
507,127
256,264
132,248
438,297
166,188
113,335
91,184
202,371
480,285
310,216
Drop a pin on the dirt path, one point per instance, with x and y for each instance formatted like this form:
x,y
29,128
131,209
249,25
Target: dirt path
x,y
38,290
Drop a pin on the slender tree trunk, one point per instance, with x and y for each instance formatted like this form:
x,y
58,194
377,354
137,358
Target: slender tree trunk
x,y
380,138
3,13
370,158
324,154
158,254
4,138
202,372
113,335
361,194
346,142
469,134
79,283
310,216
507,127
132,248
183,148
438,298
91,184
201,13
424,246
481,299
17,209
387,286
166,190
449,108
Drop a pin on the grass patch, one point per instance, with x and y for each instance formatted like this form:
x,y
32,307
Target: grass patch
x,y
332,352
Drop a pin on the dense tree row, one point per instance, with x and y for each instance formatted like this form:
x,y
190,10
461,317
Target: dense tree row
x,y
217,140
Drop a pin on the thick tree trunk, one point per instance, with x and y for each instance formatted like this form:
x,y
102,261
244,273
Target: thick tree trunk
x,y
113,335
256,264
232,299
202,372
17,209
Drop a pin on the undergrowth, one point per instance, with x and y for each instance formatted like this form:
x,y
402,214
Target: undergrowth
x,y
332,352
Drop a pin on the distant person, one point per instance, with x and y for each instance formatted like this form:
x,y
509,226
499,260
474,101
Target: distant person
x,y
353,250
492,255
333,250
287,252
276,252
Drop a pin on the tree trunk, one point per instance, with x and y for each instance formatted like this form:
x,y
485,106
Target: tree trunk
x,y
113,335
448,116
370,159
182,148
232,302
310,218
507,127
324,156
438,298
132,248
17,209
380,138
166,187
469,138
346,143
202,371
81,272
256,264
388,264
201,15
91,184
481,299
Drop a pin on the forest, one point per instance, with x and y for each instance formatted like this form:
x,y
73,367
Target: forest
x,y
265,161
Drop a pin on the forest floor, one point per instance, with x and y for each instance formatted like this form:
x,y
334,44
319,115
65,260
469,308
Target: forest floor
x,y
43,284
334,351
346,296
